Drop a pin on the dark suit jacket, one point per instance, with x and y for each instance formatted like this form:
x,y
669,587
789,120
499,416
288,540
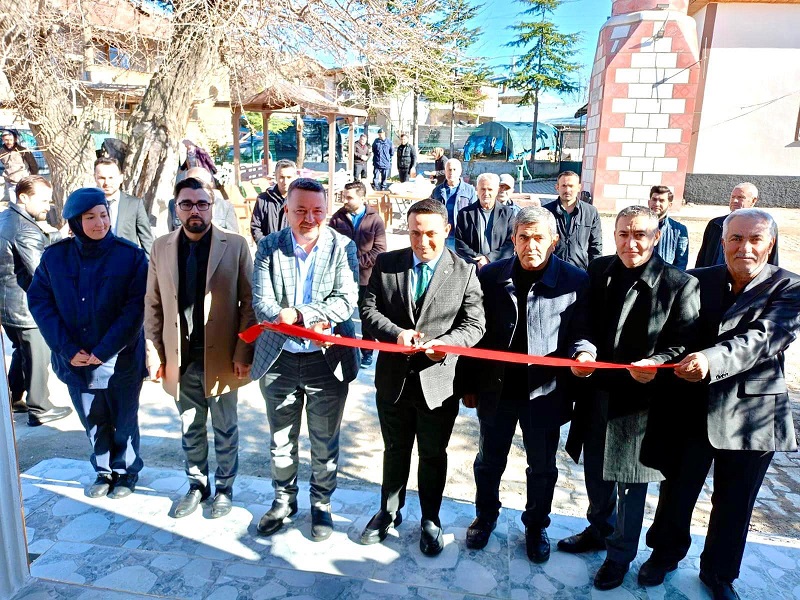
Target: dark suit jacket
x,y
656,321
557,315
133,224
712,238
581,242
451,311
469,231
748,403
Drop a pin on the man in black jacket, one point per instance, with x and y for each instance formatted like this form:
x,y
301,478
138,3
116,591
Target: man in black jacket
x,y
642,313
580,239
268,214
18,162
22,242
406,158
483,229
744,195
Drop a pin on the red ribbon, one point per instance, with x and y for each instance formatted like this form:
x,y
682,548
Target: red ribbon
x,y
251,334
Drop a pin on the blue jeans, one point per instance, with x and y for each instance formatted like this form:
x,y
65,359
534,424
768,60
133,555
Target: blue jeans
x,y
379,178
292,381
541,444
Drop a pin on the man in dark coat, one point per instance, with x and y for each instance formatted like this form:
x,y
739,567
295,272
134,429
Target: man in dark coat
x,y
673,245
737,411
535,303
642,314
22,243
483,229
128,215
361,154
406,158
362,224
18,162
382,152
420,296
268,213
744,195
580,238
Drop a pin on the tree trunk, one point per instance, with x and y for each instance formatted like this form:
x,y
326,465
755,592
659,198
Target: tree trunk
x,y
42,99
415,126
535,134
159,123
301,141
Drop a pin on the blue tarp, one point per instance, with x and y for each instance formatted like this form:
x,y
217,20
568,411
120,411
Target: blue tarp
x,y
512,140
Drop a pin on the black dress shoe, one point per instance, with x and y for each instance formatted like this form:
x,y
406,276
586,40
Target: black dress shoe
x,y
431,539
720,590
366,359
321,523
654,570
272,520
124,486
479,532
54,414
222,504
189,503
101,486
537,544
378,527
585,541
610,574
19,406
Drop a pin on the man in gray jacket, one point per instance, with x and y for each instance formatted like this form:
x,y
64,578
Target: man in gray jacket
x,y
22,242
736,413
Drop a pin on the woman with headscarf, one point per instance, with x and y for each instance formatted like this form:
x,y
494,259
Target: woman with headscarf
x,y
87,298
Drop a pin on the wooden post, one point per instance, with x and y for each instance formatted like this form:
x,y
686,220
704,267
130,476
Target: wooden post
x,y
331,159
351,140
237,150
265,118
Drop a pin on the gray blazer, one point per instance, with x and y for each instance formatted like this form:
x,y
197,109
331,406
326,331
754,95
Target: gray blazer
x,y
133,224
334,291
451,311
748,402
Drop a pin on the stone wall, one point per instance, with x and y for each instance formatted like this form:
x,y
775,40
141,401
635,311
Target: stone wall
x,y
774,191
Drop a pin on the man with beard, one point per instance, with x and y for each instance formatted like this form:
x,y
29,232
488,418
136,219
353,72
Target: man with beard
x,y
580,239
362,224
673,245
198,299
22,243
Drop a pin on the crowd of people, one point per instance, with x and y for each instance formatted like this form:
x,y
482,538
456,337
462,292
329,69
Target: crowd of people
x,y
701,350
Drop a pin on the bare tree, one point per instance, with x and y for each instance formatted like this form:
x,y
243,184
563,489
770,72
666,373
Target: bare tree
x,y
257,41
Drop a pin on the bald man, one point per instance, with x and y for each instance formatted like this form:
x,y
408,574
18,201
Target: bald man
x,y
744,195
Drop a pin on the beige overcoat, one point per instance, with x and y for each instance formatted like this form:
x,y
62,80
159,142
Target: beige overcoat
x,y
227,308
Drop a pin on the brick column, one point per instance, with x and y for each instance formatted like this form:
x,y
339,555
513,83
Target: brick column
x,y
641,103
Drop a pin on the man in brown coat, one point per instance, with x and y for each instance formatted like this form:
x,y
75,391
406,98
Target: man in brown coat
x,y
362,224
199,293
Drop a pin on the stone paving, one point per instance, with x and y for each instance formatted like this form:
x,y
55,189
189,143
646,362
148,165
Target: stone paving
x,y
131,548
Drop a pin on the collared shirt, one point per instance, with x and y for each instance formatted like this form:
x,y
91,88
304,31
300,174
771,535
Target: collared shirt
x,y
113,211
673,246
303,278
415,273
487,222
357,216
452,206
192,346
580,238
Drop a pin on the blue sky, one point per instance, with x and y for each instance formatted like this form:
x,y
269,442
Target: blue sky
x,y
585,16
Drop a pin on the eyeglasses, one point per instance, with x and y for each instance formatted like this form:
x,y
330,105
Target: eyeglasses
x,y
186,205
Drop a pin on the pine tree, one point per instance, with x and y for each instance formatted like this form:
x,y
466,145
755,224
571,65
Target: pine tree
x,y
546,64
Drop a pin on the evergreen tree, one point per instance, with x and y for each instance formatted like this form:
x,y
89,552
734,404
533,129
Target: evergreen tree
x,y
546,64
